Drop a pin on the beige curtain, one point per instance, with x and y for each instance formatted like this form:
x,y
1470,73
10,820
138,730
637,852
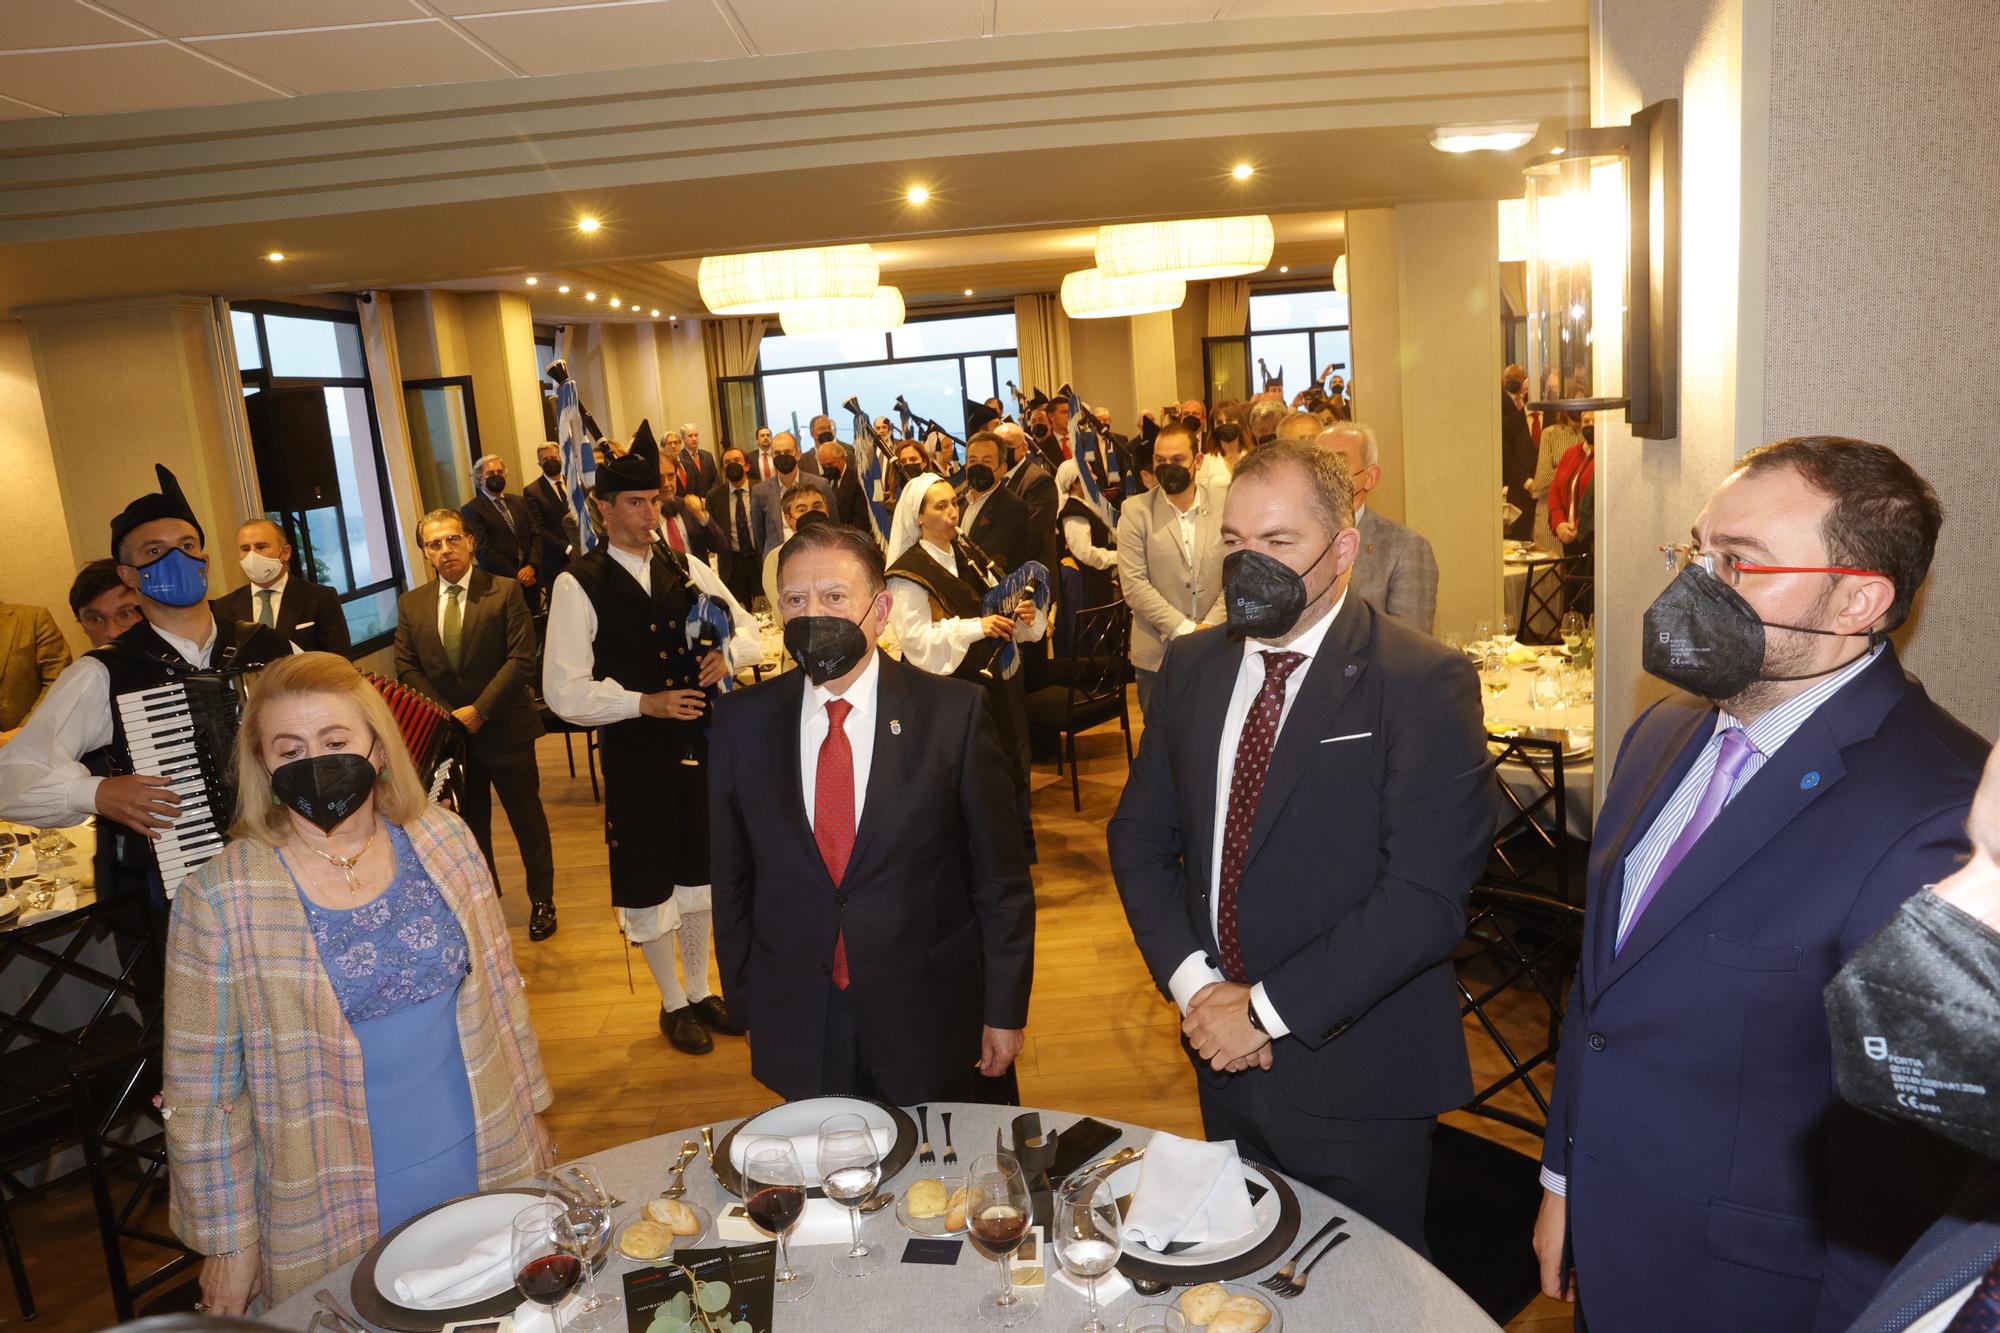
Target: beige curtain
x,y
729,346
385,382
1228,307
1042,331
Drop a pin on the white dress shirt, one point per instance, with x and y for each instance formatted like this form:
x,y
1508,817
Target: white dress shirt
x,y
1767,734
938,646
1076,536
1194,971
1184,528
859,728
42,777
464,586
566,662
974,502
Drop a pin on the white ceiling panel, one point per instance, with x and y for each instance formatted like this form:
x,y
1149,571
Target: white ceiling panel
x,y
29,26
463,8
401,55
1015,16
12,110
601,37
204,18
779,27
96,80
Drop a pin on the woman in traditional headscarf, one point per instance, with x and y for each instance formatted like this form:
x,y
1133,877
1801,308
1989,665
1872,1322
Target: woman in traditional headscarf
x,y
938,582
1087,535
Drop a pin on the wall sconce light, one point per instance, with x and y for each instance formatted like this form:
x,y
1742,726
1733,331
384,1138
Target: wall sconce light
x,y
1603,277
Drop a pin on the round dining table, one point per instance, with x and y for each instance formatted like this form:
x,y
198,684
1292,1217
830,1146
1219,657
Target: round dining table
x,y
1372,1283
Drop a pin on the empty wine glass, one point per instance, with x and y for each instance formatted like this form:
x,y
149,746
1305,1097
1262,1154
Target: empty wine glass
x,y
997,1209
1572,631
850,1167
1547,690
545,1269
774,1195
1088,1237
1156,1319
582,1229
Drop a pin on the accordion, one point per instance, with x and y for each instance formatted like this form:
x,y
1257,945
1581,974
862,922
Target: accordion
x,y
428,733
185,731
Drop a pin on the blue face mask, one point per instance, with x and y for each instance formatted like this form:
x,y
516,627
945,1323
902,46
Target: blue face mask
x,y
175,579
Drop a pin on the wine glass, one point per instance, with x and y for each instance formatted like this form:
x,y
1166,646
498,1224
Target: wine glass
x,y
1156,1319
1506,635
997,1209
774,1194
1547,690
1572,631
1493,673
582,1229
1482,633
850,1167
1087,1238
544,1268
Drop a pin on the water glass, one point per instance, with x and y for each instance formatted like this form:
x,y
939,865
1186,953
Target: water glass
x,y
1156,1319
850,1168
1087,1237
1547,690
583,1230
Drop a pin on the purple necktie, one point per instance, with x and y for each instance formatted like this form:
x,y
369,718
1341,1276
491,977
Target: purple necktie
x,y
1736,752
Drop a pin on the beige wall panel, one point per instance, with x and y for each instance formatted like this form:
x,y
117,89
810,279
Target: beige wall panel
x,y
35,549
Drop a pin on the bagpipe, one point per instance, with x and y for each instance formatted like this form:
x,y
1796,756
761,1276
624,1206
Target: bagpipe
x,y
1030,580
709,625
925,425
872,466
1094,460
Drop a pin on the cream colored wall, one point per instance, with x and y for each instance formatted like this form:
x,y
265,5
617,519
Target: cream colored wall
x,y
1101,366
1190,327
1375,305
35,549
1155,364
1448,261
682,372
497,331
1882,271
125,385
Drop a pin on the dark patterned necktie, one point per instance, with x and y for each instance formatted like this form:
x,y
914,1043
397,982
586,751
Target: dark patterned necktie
x,y
742,523
1246,787
1981,1314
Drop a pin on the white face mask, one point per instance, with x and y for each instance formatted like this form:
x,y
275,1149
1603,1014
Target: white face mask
x,y
261,568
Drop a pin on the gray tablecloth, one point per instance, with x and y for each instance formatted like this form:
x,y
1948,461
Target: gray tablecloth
x,y
1372,1284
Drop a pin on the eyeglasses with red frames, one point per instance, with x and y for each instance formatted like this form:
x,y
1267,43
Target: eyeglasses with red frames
x,y
1731,569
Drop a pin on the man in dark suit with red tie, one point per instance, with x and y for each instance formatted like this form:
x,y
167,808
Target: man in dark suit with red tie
x,y
1295,848
874,921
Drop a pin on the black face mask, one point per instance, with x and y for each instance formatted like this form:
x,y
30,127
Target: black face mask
x,y
1174,478
824,437
326,788
733,471
979,477
1512,388
1191,422
832,474
495,485
1265,596
1915,1024
1702,636
785,463
671,508
1042,431
552,467
909,471
825,647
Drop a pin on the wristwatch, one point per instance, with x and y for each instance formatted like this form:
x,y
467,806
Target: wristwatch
x,y
1257,1019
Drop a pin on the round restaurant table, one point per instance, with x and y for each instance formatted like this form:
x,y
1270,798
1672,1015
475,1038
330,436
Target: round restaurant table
x,y
1372,1284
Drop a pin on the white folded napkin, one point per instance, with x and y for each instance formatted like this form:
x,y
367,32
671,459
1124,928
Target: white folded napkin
x,y
823,1222
479,1272
532,1318
1188,1191
806,1146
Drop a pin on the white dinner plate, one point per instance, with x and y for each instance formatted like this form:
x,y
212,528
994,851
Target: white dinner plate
x,y
443,1237
1264,1213
800,1122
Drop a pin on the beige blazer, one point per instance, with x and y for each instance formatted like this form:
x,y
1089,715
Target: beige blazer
x,y
1161,584
32,655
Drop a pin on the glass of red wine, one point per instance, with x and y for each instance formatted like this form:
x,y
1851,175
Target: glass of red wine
x,y
774,1194
545,1269
997,1211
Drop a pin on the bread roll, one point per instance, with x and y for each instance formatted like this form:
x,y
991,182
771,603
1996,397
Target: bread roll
x,y
674,1215
1240,1314
927,1198
646,1240
1199,1304
954,1216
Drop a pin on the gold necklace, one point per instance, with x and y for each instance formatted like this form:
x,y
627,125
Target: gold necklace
x,y
346,864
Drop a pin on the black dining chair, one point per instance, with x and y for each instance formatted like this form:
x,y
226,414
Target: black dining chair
x,y
555,725
1553,584
1091,689
124,1141
1533,850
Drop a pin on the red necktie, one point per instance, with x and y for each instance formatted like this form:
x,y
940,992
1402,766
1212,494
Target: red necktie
x,y
1246,787
1980,1314
833,812
674,538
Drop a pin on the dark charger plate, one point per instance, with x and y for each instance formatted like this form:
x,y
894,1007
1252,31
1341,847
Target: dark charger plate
x,y
900,1155
1258,1256
382,1312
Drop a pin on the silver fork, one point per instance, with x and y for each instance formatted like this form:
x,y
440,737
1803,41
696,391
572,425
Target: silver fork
x,y
924,1153
950,1153
331,1313
605,1199
1297,1286
1281,1279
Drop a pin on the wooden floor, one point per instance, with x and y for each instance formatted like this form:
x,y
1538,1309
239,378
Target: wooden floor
x,y
1100,1039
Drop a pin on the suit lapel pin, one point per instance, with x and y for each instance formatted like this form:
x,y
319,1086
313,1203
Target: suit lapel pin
x,y
896,727
1351,668
1809,781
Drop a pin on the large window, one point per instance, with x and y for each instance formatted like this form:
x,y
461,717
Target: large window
x,y
1299,334
934,364
319,457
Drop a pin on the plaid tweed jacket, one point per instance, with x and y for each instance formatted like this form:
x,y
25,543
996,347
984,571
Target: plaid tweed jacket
x,y
267,1117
